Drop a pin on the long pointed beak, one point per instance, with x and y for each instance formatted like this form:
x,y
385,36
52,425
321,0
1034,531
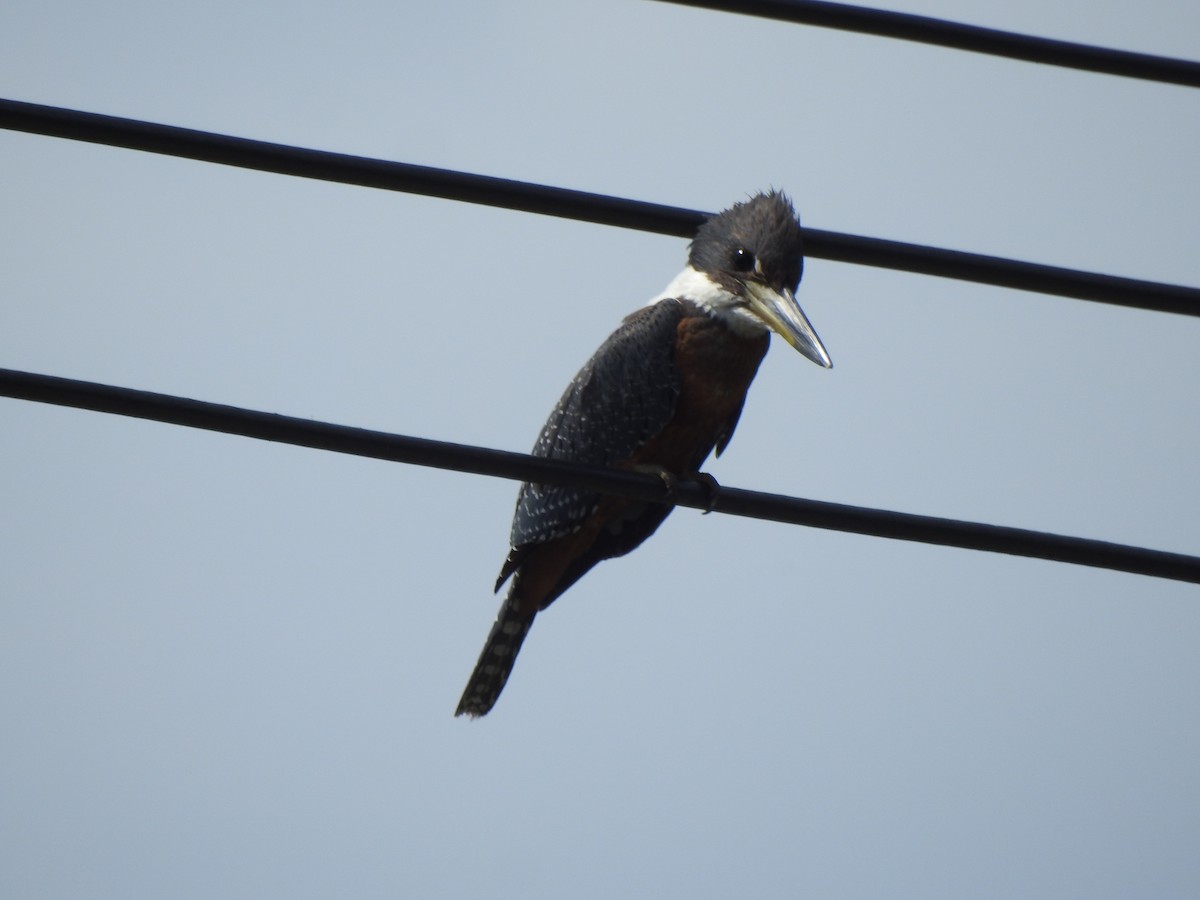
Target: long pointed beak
x,y
780,311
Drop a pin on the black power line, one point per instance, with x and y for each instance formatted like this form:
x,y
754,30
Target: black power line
x,y
522,467
906,26
580,205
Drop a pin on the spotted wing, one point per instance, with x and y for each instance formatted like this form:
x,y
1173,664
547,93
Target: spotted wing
x,y
623,396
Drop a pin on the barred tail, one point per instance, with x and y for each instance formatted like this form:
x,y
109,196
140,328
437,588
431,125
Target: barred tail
x,y
497,659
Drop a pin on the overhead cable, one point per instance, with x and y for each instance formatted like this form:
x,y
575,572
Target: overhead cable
x,y
579,205
522,467
959,36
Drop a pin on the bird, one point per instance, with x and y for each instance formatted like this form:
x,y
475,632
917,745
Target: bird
x,y
658,396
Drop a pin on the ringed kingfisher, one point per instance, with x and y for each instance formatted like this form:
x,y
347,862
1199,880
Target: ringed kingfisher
x,y
660,394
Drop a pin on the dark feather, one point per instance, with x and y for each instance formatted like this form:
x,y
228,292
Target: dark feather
x,y
622,397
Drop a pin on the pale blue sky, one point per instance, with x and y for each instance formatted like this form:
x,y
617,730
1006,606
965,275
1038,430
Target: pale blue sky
x,y
228,668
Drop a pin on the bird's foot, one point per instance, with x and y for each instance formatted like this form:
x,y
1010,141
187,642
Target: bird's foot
x,y
669,480
712,489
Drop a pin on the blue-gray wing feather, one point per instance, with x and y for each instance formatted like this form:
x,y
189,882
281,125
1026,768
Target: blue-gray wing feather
x,y
623,396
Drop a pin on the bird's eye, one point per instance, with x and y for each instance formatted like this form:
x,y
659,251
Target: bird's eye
x,y
743,260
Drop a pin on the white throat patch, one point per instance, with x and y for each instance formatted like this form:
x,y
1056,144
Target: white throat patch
x,y
692,284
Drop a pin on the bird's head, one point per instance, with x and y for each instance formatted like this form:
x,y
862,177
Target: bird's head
x,y
752,254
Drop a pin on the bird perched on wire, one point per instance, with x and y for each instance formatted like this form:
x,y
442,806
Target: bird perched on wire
x,y
659,395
